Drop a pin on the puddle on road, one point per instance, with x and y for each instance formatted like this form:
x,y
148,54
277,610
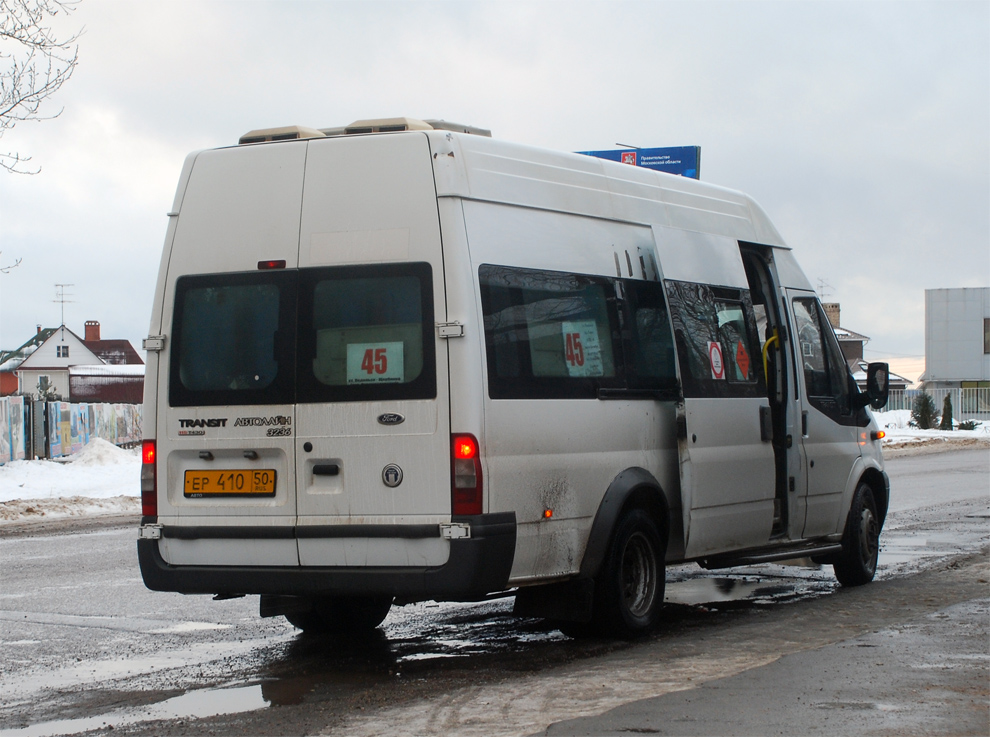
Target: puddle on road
x,y
897,550
428,633
756,585
413,638
86,673
803,579
719,590
191,705
857,706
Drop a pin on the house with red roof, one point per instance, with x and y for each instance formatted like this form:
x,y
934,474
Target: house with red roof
x,y
89,369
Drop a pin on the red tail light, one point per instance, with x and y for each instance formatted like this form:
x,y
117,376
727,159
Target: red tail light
x,y
149,479
465,476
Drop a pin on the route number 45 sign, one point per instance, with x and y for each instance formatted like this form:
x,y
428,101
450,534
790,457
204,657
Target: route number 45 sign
x,y
582,351
375,363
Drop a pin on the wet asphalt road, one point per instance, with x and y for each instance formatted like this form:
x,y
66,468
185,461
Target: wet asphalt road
x,y
926,675
86,646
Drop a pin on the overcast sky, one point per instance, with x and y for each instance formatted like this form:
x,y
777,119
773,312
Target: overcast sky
x,y
862,128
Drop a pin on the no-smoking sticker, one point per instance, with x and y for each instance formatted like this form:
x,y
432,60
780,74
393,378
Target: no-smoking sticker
x,y
715,358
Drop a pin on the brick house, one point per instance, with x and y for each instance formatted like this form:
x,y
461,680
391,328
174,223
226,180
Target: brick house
x,y
851,343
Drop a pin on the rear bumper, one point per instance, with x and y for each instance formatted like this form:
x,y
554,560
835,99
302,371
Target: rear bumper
x,y
476,566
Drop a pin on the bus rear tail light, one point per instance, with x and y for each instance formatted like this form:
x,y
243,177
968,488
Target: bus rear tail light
x,y
149,479
465,475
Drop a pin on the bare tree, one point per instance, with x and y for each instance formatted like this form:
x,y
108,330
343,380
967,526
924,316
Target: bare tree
x,y
34,64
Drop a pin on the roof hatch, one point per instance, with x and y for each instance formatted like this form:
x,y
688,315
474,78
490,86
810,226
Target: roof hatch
x,y
285,133
358,127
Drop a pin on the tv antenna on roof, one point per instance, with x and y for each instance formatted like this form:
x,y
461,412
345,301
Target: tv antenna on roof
x,y
60,296
824,289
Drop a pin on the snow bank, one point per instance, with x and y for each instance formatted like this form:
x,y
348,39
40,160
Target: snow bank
x,y
24,510
100,452
99,471
893,420
900,434
898,421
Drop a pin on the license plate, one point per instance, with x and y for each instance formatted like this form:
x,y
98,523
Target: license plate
x,y
230,482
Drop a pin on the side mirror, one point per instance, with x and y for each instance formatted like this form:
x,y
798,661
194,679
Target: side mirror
x,y
878,384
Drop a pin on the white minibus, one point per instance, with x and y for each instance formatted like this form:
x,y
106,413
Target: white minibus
x,y
404,361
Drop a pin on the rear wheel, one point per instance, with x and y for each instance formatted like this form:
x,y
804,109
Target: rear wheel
x,y
630,588
857,563
340,615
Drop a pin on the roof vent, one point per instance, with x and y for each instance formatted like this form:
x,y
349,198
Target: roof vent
x,y
285,133
359,127
395,125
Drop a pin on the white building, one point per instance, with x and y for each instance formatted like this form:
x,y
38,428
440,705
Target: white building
x,y
957,338
82,370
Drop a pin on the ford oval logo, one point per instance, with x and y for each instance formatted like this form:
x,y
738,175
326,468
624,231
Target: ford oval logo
x,y
391,418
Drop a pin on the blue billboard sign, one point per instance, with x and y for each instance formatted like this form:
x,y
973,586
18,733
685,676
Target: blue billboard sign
x,y
682,160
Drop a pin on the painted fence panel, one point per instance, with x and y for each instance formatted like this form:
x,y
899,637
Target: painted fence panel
x,y
69,426
12,434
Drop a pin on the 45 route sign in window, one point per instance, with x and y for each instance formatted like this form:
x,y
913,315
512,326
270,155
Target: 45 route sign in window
x,y
375,363
582,351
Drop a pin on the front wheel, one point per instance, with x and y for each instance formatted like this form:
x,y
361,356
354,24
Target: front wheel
x,y
857,563
630,588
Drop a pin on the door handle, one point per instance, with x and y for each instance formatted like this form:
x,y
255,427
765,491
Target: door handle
x,y
804,424
766,424
326,469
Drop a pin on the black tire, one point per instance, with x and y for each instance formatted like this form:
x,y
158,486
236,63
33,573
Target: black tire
x,y
857,563
342,615
630,587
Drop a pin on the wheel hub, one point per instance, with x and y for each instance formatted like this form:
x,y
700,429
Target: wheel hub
x,y
639,575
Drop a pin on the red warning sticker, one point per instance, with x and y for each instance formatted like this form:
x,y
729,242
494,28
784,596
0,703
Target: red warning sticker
x,y
742,360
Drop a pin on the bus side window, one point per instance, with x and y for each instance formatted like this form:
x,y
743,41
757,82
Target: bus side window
x,y
716,335
548,334
650,353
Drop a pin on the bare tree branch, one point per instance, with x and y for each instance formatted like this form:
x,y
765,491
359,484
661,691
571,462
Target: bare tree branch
x,y
34,64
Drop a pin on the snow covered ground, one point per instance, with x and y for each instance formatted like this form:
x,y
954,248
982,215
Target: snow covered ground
x,y
902,437
100,479
103,479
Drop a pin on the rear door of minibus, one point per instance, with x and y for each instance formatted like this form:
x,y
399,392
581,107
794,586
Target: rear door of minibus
x,y
227,496
373,431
